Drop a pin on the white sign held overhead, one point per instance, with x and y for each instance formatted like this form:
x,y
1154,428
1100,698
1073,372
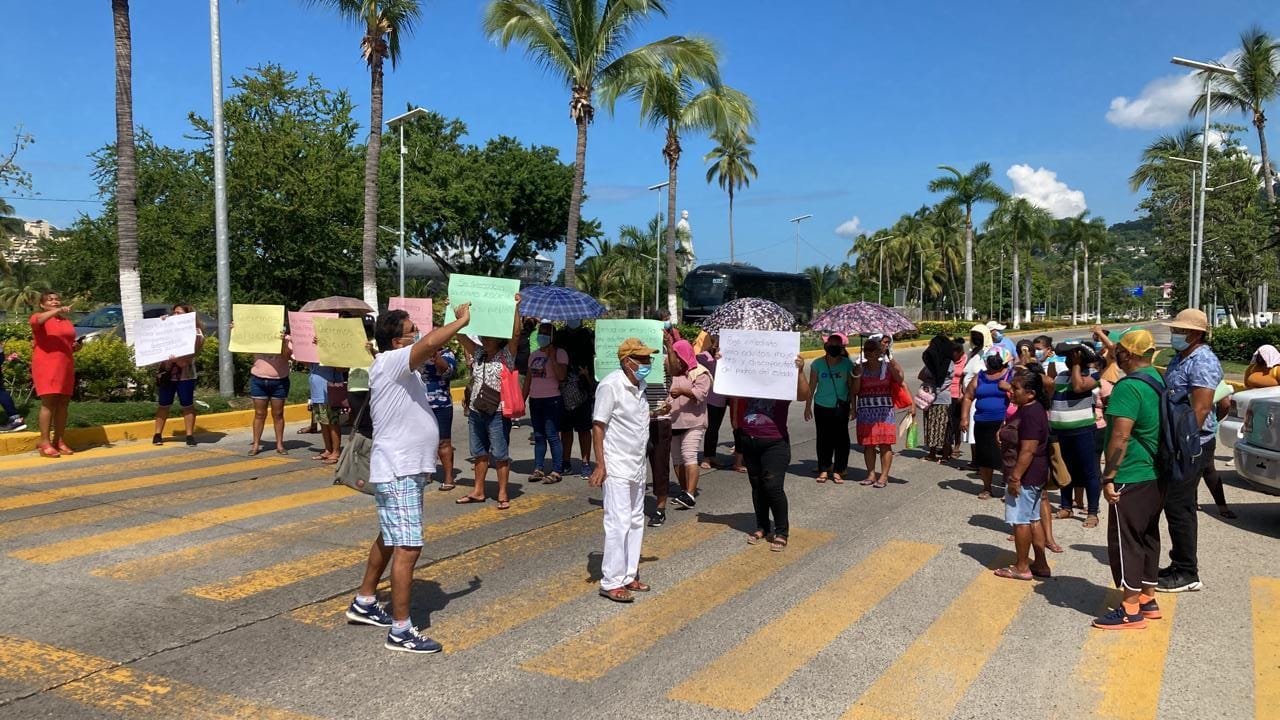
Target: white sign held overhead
x,y
158,339
757,364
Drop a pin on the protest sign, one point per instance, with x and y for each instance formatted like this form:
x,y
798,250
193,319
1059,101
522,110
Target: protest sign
x,y
419,310
757,364
257,328
611,333
302,334
341,342
158,339
493,303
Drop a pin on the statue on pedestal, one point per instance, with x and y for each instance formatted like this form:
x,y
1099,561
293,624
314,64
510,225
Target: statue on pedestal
x,y
684,250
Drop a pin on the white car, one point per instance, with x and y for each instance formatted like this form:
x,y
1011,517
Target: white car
x,y
1257,454
1231,429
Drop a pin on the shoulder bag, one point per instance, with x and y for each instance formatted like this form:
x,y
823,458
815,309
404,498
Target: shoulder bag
x,y
485,399
352,469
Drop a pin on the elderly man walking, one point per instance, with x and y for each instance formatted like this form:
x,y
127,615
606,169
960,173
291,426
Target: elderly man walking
x,y
620,434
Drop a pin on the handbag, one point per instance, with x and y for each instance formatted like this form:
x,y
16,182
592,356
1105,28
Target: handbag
x,y
924,397
512,394
485,399
572,391
338,397
352,469
1059,477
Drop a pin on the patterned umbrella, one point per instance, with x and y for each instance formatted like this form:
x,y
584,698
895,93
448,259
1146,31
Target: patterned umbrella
x,y
558,304
337,304
862,318
749,314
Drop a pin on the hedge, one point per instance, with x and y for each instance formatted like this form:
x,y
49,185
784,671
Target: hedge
x,y
1239,344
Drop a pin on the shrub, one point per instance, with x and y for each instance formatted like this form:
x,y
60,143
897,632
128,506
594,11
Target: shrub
x,y
207,367
105,371
1239,344
17,371
14,331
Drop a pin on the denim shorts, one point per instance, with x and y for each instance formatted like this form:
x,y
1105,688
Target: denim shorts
x,y
490,436
444,418
1024,509
399,504
268,388
184,389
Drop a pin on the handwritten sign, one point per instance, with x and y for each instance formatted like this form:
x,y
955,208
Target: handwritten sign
x,y
493,303
302,331
340,342
158,339
257,328
419,310
611,333
757,364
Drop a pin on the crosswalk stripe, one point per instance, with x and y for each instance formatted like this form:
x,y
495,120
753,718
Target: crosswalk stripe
x,y
475,626
111,540
104,685
738,680
593,653
465,567
1122,670
292,572
105,468
145,481
1265,596
26,462
932,676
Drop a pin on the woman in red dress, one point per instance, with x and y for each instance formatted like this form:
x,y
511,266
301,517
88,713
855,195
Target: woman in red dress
x,y
874,381
53,371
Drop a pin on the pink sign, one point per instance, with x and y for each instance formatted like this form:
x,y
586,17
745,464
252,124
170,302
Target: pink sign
x,y
419,310
302,333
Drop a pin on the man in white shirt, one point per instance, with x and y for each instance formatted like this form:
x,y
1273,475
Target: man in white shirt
x,y
405,441
620,434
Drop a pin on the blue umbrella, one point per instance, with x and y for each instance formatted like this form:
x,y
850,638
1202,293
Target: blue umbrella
x,y
558,304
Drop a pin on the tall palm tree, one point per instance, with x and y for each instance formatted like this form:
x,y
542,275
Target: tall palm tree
x,y
826,285
1018,225
1255,84
584,43
1078,235
682,99
966,190
731,166
126,170
1155,157
384,22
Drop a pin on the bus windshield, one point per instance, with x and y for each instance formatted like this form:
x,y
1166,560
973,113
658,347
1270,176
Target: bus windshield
x,y
704,291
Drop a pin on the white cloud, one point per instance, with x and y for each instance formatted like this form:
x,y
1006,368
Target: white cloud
x,y
1164,102
1043,189
850,228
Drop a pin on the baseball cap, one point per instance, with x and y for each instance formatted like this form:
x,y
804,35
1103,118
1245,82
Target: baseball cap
x,y
1191,319
995,325
1115,335
632,347
1137,341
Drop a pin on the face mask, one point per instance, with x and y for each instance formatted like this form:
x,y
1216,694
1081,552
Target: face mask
x,y
544,340
833,350
976,341
642,371
997,336
1041,355
666,325
1179,342
417,336
574,324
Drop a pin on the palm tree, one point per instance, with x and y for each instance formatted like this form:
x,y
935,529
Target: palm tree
x,y
384,22
20,288
1255,83
1018,225
948,230
682,99
1155,158
826,285
966,190
731,166
126,169
583,42
1075,235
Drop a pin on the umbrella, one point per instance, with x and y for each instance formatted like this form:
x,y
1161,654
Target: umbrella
x,y
338,304
749,314
862,318
558,304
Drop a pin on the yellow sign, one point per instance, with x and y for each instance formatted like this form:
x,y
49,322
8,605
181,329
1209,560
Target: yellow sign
x,y
341,343
257,328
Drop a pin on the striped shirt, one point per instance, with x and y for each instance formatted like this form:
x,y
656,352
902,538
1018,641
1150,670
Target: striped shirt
x,y
1071,411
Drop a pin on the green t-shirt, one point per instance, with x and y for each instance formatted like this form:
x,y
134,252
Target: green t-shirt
x,y
1136,401
833,382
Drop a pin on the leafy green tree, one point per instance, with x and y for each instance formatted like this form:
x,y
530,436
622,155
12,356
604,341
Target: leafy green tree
x,y
731,167
126,175
12,175
1019,226
1155,157
1076,236
966,190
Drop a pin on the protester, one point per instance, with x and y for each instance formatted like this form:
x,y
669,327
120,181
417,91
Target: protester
x,y
53,371
954,437
548,367
1191,378
936,379
177,377
437,374
979,341
405,440
1043,347
877,427
998,338
1072,420
766,449
658,448
831,378
716,404
1024,444
620,433
490,431
578,393
670,333
269,388
690,385
1264,368
319,382
986,400
1130,484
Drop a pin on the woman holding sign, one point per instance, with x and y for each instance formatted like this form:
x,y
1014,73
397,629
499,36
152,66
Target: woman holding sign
x,y
177,376
53,370
490,431
269,388
873,385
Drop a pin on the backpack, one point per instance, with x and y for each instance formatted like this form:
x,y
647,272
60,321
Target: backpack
x,y
1179,448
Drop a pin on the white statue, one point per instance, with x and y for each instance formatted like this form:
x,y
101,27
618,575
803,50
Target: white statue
x,y
684,236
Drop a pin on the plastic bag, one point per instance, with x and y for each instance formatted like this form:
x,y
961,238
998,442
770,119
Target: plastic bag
x,y
913,436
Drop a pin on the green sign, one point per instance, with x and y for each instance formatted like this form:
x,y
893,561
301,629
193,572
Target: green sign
x,y
493,303
611,333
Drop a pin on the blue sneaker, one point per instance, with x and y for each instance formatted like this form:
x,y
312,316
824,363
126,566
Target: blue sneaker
x,y
411,641
373,614
1150,610
1119,620
586,470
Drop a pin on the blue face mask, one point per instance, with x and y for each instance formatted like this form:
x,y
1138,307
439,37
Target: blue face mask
x,y
544,340
1179,342
642,371
997,336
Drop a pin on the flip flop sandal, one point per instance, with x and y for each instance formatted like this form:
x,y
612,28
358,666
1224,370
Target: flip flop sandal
x,y
1063,515
504,504
867,481
822,478
1011,574
880,483
282,451
984,495
469,500
536,476
837,479
254,451
756,538
1054,548
446,487
618,595
1090,522
552,479
778,543
740,469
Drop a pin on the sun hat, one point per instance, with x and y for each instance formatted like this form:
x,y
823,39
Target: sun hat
x,y
844,339
632,347
1191,319
995,325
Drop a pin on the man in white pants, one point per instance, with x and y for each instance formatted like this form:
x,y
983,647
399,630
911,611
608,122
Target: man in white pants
x,y
620,433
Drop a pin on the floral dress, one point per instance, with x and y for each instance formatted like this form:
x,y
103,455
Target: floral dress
x,y
876,422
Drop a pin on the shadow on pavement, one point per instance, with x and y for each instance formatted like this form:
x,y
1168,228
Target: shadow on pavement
x,y
963,485
1073,593
1099,552
988,556
746,522
428,597
990,522
1258,518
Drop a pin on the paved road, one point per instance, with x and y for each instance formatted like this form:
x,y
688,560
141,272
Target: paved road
x,y
171,582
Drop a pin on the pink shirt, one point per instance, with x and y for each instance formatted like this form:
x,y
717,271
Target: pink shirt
x,y
686,412
542,382
272,367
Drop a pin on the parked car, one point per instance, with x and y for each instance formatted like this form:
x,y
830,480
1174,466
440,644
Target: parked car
x,y
109,320
1231,429
1257,454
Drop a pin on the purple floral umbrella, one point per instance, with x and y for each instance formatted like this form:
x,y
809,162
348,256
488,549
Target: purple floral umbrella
x,y
749,314
862,318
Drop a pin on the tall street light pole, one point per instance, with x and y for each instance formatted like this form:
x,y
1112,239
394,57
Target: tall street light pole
x,y
226,371
1191,256
797,221
398,122
657,248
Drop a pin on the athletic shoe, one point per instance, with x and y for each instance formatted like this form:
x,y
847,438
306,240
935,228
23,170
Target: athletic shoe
x,y
684,499
657,518
1119,620
372,614
157,440
191,441
1166,572
1150,610
14,425
410,641
1179,582
586,470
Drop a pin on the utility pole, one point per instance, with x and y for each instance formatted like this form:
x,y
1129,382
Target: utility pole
x,y
226,371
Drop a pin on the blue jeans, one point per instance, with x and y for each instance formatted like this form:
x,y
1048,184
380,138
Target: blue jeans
x,y
1082,464
490,436
545,415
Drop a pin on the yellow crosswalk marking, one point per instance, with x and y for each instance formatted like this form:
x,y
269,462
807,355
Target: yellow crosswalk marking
x,y
738,680
1120,671
102,542
932,676
79,473
145,481
593,653
295,571
1265,598
459,569
470,628
104,685
26,462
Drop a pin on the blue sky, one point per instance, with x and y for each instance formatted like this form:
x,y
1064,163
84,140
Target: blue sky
x,y
858,101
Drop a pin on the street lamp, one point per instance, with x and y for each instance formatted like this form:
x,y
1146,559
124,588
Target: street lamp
x,y
1191,261
797,221
657,251
222,253
398,122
